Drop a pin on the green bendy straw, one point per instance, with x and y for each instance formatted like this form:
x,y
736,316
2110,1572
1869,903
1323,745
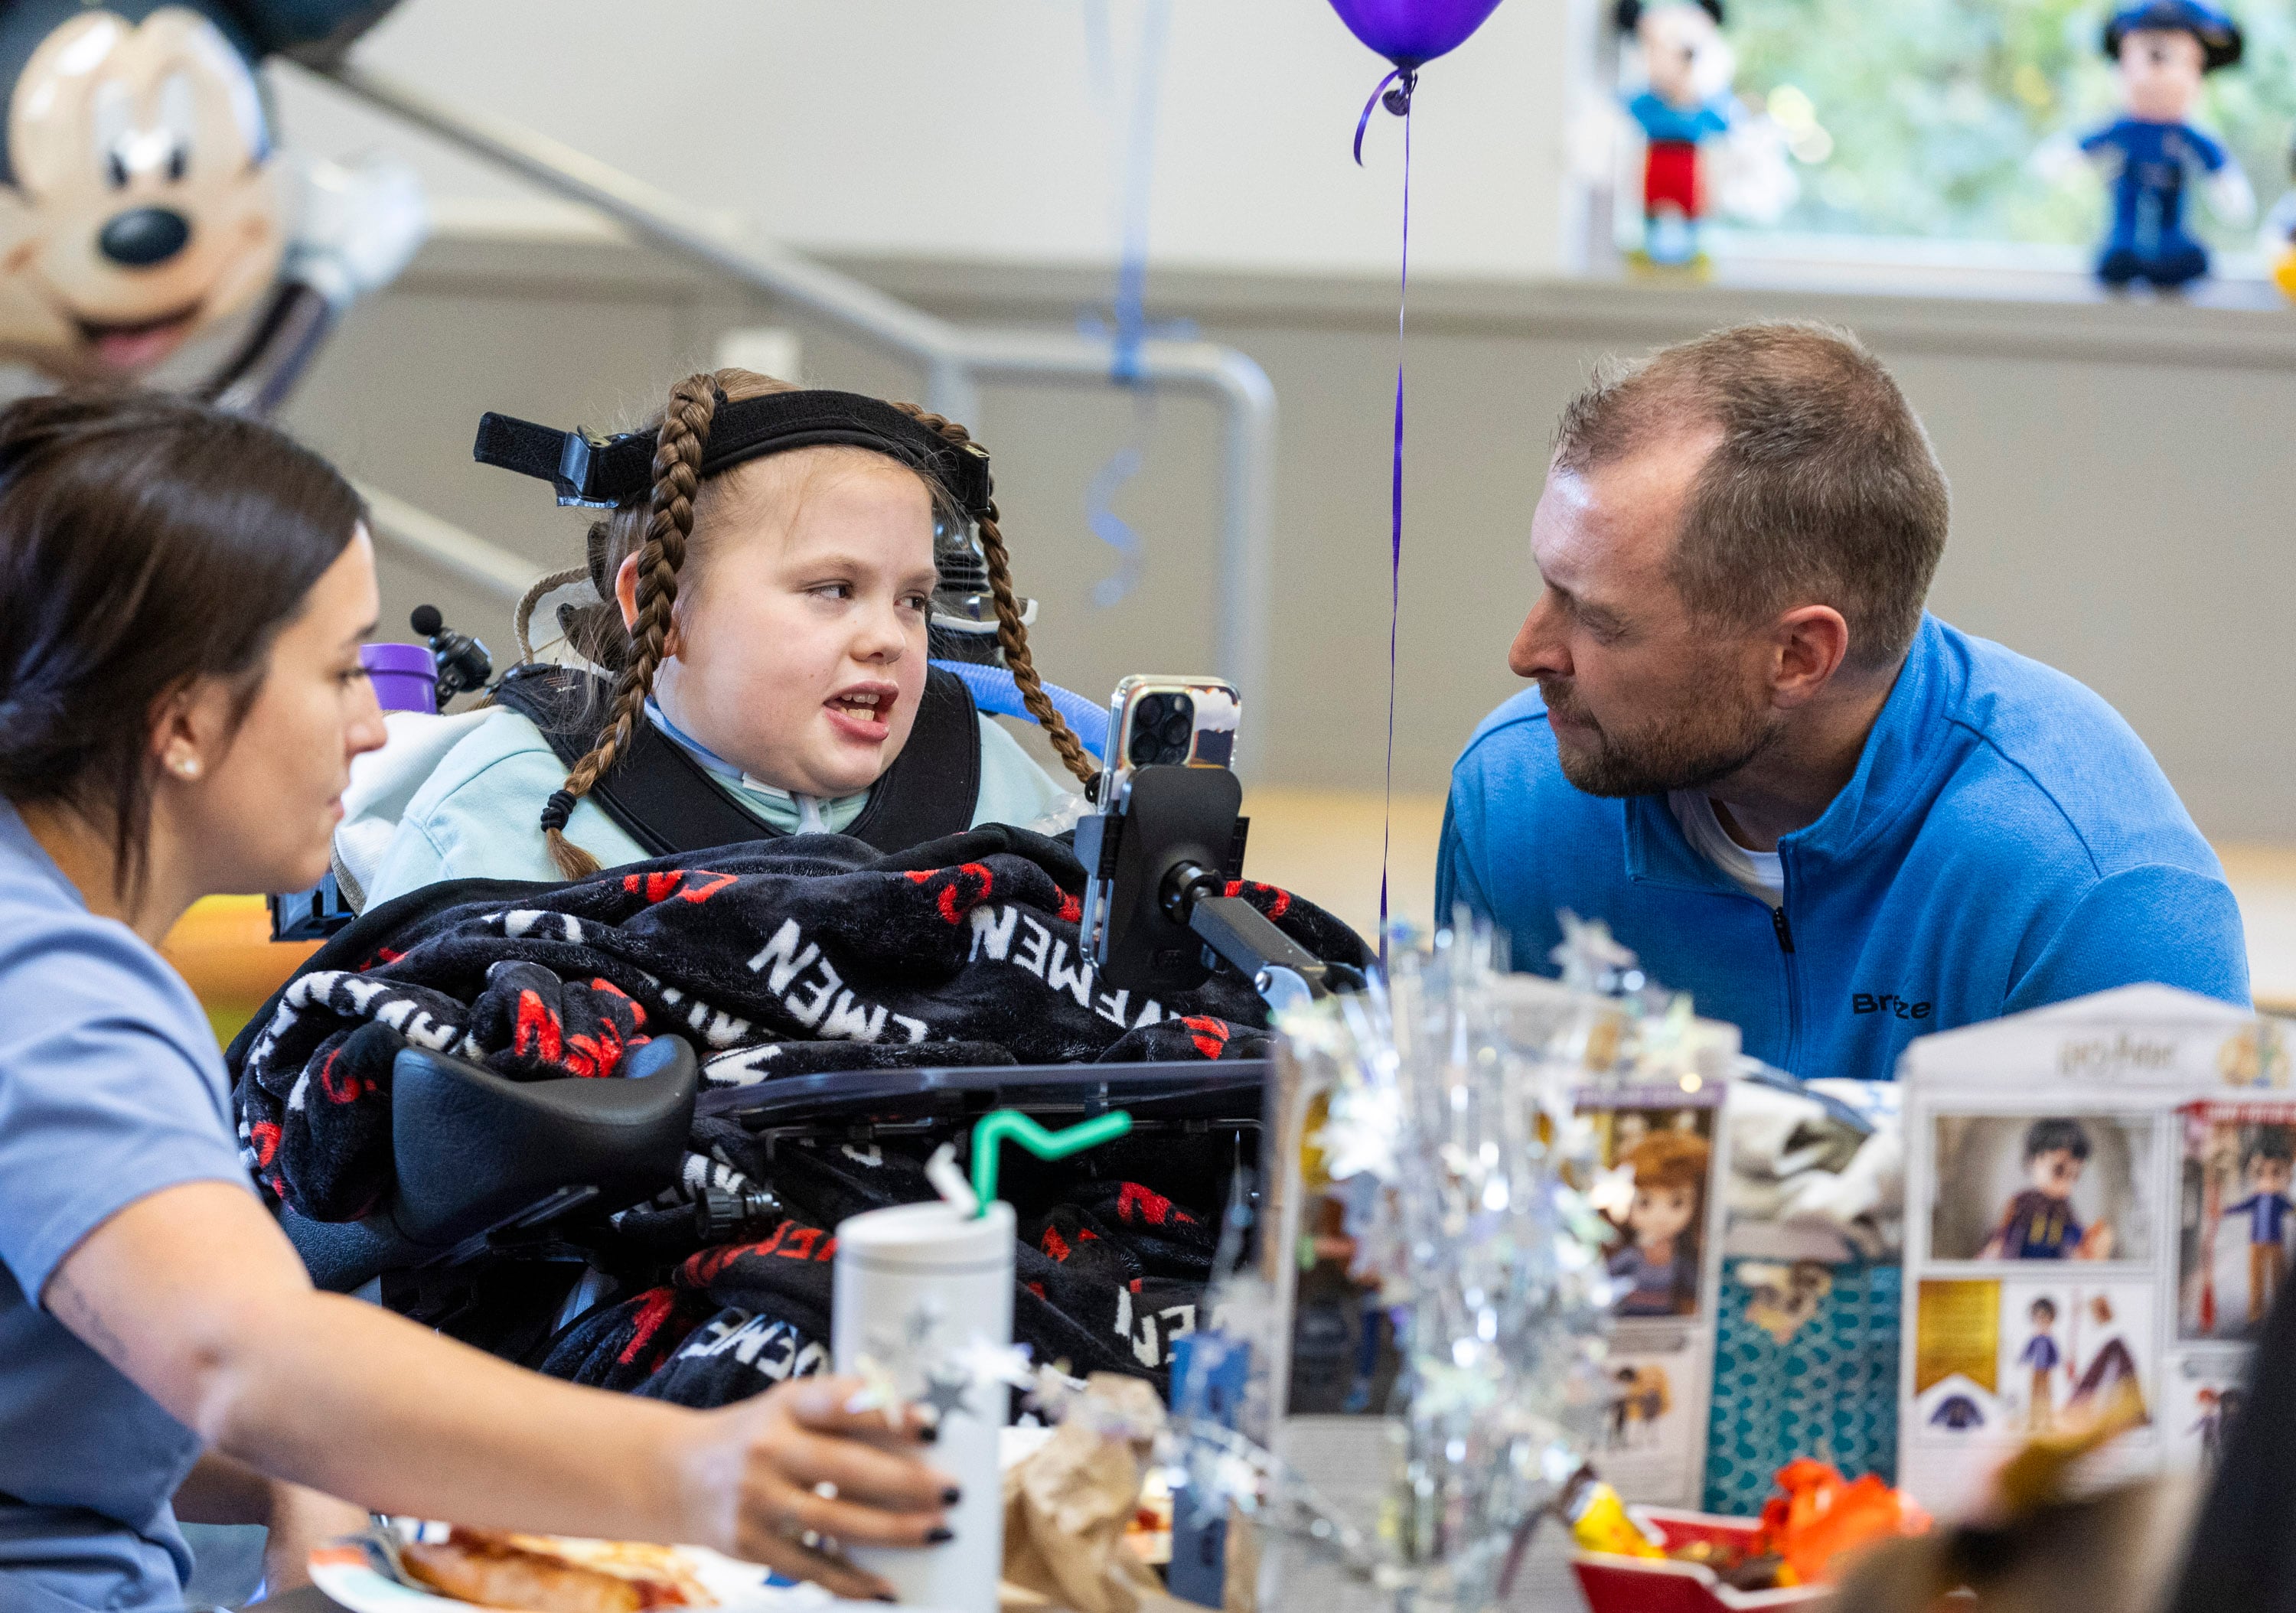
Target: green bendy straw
x,y
1002,1124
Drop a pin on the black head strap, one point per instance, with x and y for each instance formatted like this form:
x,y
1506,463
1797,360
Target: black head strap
x,y
604,472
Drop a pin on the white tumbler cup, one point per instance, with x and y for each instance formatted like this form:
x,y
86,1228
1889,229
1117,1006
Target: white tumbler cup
x,y
917,1285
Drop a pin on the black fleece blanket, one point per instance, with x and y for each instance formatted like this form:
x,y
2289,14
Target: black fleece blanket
x,y
1110,1270
796,955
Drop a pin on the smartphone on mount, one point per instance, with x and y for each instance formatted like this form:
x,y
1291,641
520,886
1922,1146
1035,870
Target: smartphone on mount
x,y
1187,723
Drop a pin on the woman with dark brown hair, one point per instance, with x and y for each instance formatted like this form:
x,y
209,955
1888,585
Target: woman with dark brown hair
x,y
765,582
181,598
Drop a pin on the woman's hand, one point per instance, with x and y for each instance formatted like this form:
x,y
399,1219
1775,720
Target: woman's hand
x,y
302,1520
792,1476
193,1294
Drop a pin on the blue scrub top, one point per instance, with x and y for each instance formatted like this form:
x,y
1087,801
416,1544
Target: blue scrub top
x,y
112,1088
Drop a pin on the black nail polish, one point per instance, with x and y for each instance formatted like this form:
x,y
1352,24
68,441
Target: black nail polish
x,y
885,1596
928,1435
935,1537
951,1496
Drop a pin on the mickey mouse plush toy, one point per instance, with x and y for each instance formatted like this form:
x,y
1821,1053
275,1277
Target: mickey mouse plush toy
x,y
143,202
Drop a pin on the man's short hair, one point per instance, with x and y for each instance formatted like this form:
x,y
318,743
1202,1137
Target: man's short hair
x,y
1822,488
2053,1136
2043,1306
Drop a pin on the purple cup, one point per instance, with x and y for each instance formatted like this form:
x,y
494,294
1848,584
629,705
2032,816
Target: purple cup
x,y
404,676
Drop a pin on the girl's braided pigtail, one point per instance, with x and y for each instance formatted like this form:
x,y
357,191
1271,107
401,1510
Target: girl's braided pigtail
x,y
1011,633
677,472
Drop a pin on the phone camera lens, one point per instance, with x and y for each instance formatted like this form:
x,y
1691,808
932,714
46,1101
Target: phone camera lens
x,y
1149,711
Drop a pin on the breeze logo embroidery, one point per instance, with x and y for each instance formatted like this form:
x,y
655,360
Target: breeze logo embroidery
x,y
1888,1003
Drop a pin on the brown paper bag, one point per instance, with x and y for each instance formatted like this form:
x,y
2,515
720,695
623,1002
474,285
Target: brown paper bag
x,y
1068,1505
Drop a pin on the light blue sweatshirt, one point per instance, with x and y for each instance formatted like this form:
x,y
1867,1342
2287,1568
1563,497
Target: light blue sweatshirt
x,y
2006,841
478,812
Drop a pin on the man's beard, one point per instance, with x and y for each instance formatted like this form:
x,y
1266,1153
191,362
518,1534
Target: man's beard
x,y
1695,750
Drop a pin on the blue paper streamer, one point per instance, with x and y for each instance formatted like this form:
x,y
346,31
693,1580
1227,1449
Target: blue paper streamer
x,y
1129,328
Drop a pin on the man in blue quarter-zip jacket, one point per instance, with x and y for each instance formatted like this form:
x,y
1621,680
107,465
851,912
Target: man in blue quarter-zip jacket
x,y
1832,818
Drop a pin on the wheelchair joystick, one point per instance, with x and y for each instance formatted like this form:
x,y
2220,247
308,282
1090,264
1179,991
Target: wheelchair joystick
x,y
464,663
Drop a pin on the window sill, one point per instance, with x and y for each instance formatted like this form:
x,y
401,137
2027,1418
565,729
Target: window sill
x,y
1977,301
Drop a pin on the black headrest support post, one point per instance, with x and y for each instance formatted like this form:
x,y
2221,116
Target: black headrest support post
x,y
601,473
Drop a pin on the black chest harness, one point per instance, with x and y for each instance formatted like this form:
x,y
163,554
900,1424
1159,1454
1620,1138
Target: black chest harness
x,y
669,803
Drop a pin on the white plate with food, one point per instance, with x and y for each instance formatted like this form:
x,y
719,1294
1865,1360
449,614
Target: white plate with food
x,y
438,1567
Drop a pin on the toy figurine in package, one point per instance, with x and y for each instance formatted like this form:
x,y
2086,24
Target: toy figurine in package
x,y
2039,1223
2041,1357
1660,1262
2238,1217
2163,49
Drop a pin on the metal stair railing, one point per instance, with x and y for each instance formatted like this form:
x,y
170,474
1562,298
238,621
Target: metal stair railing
x,y
955,357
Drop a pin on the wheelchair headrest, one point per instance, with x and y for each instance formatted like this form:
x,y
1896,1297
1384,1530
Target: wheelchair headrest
x,y
473,1149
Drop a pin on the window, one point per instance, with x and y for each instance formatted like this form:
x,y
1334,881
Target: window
x,y
1929,118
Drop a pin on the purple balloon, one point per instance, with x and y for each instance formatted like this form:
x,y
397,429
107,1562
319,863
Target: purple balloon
x,y
1411,33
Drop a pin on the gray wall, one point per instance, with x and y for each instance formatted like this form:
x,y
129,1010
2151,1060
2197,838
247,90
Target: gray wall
x,y
2119,475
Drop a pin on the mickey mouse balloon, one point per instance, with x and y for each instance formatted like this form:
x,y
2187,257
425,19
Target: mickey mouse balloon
x,y
141,200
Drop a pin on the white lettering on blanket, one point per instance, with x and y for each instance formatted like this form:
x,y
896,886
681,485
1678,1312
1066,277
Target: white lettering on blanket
x,y
341,991
520,921
714,1026
747,1339
823,1003
1148,1348
1047,959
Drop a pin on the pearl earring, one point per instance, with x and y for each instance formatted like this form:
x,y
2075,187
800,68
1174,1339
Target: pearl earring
x,y
187,766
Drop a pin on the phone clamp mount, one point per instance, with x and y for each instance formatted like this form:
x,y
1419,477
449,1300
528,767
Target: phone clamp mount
x,y
1157,912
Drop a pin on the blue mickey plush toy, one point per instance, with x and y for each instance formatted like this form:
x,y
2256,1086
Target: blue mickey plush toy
x,y
2164,49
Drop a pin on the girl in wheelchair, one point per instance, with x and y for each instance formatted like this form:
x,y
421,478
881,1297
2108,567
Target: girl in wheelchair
x,y
766,579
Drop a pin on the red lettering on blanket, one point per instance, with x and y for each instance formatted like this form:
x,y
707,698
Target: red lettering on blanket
x,y
1134,1202
349,1089
265,1136
638,1008
599,1055
1071,908
654,1307
1036,1288
1084,1234
968,888
660,886
1210,1035
538,1034
791,1241
1279,901
382,955
1053,1244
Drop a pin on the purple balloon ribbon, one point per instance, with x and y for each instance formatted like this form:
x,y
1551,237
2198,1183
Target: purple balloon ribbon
x,y
1397,101
1395,521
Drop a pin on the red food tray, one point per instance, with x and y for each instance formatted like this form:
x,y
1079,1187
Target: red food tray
x,y
1650,1585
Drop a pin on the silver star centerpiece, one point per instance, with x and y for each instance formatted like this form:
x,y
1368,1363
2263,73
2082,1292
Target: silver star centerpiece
x,y
945,1394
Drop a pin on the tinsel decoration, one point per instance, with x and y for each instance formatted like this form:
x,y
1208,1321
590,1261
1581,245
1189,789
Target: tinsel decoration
x,y
1440,1111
